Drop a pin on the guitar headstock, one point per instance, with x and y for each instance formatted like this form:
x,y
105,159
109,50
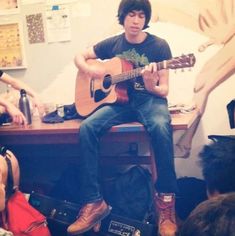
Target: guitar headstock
x,y
182,61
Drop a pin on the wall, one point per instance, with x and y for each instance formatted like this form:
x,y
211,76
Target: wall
x,y
52,73
47,61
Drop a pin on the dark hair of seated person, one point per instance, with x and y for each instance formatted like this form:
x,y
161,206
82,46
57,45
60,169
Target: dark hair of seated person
x,y
213,217
217,160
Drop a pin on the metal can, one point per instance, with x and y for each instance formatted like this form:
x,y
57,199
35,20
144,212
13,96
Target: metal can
x,y
60,110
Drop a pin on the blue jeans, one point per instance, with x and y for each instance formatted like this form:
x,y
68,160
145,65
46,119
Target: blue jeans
x,y
149,110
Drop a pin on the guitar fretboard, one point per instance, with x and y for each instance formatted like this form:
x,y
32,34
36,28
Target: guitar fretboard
x,y
131,74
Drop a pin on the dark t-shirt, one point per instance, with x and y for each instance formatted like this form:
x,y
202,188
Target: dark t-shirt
x,y
152,49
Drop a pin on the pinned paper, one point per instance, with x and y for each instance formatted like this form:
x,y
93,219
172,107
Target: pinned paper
x,y
58,23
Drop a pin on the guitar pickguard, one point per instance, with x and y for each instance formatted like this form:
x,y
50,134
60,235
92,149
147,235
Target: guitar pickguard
x,y
100,95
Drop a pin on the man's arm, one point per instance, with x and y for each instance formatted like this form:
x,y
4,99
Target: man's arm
x,y
80,61
17,84
16,115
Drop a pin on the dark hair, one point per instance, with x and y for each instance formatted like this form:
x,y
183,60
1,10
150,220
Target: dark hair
x,y
218,165
212,217
127,6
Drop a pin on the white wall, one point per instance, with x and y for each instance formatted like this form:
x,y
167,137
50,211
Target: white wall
x,y
215,119
52,73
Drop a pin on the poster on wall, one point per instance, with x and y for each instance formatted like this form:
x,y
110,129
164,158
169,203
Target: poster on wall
x,y
58,23
35,28
9,7
12,54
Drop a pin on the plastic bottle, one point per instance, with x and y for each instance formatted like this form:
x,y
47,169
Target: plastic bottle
x,y
24,106
10,95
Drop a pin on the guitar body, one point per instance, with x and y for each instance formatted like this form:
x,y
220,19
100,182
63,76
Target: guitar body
x,y
92,93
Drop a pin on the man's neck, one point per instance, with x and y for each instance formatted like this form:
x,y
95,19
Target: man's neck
x,y
136,38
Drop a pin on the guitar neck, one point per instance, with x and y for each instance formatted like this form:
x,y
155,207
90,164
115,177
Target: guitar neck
x,y
131,74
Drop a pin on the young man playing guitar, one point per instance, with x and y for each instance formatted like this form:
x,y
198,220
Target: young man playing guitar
x,y
147,103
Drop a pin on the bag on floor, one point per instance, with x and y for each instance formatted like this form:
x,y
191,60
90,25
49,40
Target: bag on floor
x,y
19,216
24,220
132,195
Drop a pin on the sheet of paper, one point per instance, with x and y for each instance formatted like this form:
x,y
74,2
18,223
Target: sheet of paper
x,y
58,23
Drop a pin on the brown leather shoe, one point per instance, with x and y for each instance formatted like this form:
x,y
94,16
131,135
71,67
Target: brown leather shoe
x,y
88,217
165,204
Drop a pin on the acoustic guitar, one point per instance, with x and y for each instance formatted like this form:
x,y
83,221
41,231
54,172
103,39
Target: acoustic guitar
x,y
93,92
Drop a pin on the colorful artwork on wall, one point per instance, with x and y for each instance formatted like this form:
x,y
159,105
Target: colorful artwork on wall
x,y
35,28
11,46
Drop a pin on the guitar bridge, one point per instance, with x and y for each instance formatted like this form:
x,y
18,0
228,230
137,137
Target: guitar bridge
x,y
92,88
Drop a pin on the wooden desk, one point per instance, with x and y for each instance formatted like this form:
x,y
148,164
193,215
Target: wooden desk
x,y
67,132
43,144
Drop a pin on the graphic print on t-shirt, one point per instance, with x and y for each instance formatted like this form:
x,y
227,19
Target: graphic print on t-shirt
x,y
137,60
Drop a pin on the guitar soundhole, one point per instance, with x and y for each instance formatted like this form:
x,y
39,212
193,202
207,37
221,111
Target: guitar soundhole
x,y
107,82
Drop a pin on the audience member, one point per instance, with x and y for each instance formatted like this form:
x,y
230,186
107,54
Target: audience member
x,y
213,217
7,106
218,166
6,186
2,193
4,174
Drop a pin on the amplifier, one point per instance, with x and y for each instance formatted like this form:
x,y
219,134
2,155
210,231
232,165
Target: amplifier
x,y
62,212
122,226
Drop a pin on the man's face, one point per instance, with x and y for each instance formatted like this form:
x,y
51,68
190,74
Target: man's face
x,y
134,22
